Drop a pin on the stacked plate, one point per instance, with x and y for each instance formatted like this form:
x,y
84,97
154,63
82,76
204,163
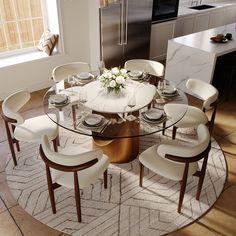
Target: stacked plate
x,y
169,91
93,120
153,115
59,100
84,77
135,74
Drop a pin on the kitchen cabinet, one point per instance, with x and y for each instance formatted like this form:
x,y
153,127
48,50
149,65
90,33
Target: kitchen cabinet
x,y
201,22
230,14
184,25
160,34
217,18
187,24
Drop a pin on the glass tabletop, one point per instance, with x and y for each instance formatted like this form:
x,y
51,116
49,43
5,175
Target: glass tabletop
x,y
111,116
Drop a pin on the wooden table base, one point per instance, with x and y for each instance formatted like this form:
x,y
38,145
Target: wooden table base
x,y
121,150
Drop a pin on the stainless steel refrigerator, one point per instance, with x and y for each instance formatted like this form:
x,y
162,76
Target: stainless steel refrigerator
x,y
125,28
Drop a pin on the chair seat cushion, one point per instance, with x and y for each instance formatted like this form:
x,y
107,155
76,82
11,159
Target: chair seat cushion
x,y
164,167
32,129
85,177
193,117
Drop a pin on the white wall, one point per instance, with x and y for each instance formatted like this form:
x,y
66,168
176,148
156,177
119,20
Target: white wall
x,y
78,21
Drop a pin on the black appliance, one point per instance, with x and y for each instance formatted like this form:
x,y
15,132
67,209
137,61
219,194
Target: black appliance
x,y
164,10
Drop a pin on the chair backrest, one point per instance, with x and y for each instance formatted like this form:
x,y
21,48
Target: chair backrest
x,y
149,66
184,150
68,160
13,103
204,90
61,72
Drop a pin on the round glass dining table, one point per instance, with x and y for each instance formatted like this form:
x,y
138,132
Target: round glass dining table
x,y
122,121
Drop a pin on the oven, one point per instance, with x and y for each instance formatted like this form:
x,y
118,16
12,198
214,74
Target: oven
x,y
164,10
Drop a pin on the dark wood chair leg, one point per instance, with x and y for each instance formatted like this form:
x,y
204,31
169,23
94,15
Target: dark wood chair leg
x,y
10,142
77,196
15,140
174,132
201,178
74,115
50,190
164,128
55,143
141,175
211,125
183,187
105,179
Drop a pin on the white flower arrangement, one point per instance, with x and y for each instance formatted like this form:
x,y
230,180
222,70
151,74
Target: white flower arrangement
x,y
114,79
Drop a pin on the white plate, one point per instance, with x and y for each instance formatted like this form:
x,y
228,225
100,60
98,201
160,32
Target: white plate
x,y
84,75
161,120
58,99
93,119
169,90
135,73
153,114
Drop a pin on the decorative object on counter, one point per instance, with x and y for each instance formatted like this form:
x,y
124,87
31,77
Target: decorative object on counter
x,y
219,38
114,79
228,36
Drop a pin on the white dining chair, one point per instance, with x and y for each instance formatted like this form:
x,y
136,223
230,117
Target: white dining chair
x,y
177,162
62,72
27,130
195,116
152,67
74,168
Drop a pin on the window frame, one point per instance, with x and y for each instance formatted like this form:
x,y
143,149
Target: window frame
x,y
17,52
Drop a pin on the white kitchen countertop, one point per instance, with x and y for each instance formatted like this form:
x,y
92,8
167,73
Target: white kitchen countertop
x,y
201,40
185,10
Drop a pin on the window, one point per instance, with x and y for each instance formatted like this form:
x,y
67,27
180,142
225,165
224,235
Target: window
x,y
22,23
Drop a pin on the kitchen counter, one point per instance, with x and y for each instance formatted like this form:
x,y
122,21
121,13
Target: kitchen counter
x,y
185,10
201,40
195,55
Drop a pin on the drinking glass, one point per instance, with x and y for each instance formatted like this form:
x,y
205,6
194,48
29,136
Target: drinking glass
x,y
71,80
161,85
83,95
131,100
101,66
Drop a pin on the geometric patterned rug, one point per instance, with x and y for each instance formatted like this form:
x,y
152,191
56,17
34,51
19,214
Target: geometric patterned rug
x,y
123,208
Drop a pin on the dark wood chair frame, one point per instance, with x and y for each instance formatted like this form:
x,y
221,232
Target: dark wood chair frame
x,y
210,123
52,186
9,122
183,182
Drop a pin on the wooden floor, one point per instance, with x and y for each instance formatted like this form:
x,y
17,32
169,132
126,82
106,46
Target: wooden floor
x,y
220,220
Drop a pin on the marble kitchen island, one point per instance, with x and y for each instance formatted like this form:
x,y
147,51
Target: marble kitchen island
x,y
195,55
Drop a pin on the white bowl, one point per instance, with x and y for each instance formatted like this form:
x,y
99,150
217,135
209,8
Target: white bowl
x,y
93,119
153,114
135,73
84,75
169,90
58,98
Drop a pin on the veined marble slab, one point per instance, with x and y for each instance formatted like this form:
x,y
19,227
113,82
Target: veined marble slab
x,y
194,55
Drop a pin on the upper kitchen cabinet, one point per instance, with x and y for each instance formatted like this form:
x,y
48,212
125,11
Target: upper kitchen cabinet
x,y
160,34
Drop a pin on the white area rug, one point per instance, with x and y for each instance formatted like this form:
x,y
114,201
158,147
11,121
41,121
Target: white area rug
x,y
124,208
